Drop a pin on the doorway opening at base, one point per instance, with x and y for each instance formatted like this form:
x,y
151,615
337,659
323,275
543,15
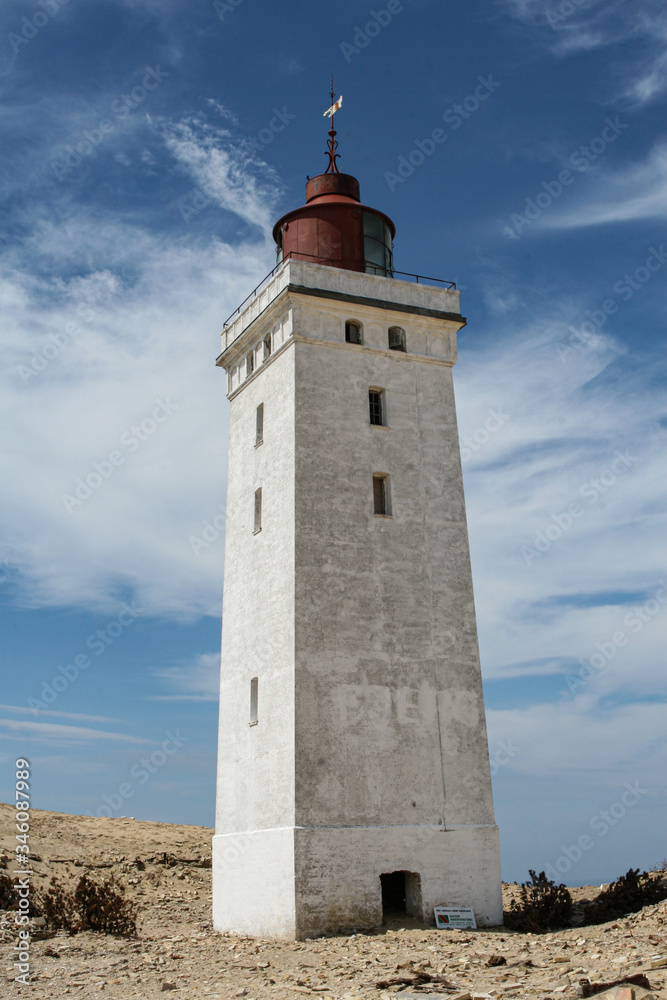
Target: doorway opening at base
x,y
401,893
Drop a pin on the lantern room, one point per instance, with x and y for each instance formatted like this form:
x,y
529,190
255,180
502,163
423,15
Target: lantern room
x,y
333,227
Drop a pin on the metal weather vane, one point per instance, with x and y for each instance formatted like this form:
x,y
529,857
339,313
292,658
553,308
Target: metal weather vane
x,y
332,144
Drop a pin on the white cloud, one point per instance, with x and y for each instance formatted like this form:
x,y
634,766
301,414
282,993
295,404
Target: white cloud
x,y
61,715
635,192
637,31
120,321
61,735
221,171
585,743
568,769
199,681
562,432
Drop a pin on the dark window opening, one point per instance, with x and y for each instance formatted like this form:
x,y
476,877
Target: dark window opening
x,y
380,498
267,347
250,364
258,511
401,895
396,339
259,425
352,333
375,406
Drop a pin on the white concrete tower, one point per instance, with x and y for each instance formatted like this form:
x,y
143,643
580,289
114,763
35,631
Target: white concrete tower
x,y
353,772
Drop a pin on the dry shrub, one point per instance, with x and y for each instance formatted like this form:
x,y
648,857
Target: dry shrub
x,y
90,907
543,906
8,896
627,894
57,905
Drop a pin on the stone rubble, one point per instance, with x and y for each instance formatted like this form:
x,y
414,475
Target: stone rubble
x,y
166,871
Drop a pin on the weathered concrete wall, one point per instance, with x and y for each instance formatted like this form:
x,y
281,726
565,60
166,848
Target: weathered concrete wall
x,y
390,721
335,280
338,873
371,747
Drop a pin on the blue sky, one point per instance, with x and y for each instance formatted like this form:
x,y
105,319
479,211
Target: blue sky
x,y
147,149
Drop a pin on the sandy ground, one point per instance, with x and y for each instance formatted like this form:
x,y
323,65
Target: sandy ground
x,y
166,870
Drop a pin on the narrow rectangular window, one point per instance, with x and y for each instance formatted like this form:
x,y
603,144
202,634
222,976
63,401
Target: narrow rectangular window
x,y
254,685
258,510
380,499
375,405
259,425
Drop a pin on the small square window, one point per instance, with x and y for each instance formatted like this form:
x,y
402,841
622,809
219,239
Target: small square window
x,y
381,496
376,406
258,511
259,425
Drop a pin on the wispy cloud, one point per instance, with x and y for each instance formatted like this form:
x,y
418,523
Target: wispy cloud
x,y
228,175
630,193
61,735
586,741
636,31
566,419
60,715
103,316
199,681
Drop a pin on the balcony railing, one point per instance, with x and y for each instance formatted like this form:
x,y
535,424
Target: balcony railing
x,y
371,268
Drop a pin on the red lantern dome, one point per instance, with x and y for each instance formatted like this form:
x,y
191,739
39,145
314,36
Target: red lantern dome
x,y
333,227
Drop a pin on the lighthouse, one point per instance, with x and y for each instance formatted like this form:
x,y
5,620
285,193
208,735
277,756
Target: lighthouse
x,y
353,771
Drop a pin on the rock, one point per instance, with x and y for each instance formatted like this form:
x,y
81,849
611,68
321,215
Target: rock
x,y
417,996
168,986
594,989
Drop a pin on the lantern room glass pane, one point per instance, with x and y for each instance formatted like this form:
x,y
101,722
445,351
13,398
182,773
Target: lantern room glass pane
x,y
377,245
374,226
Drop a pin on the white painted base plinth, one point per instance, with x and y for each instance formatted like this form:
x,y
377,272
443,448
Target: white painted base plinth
x,y
253,884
